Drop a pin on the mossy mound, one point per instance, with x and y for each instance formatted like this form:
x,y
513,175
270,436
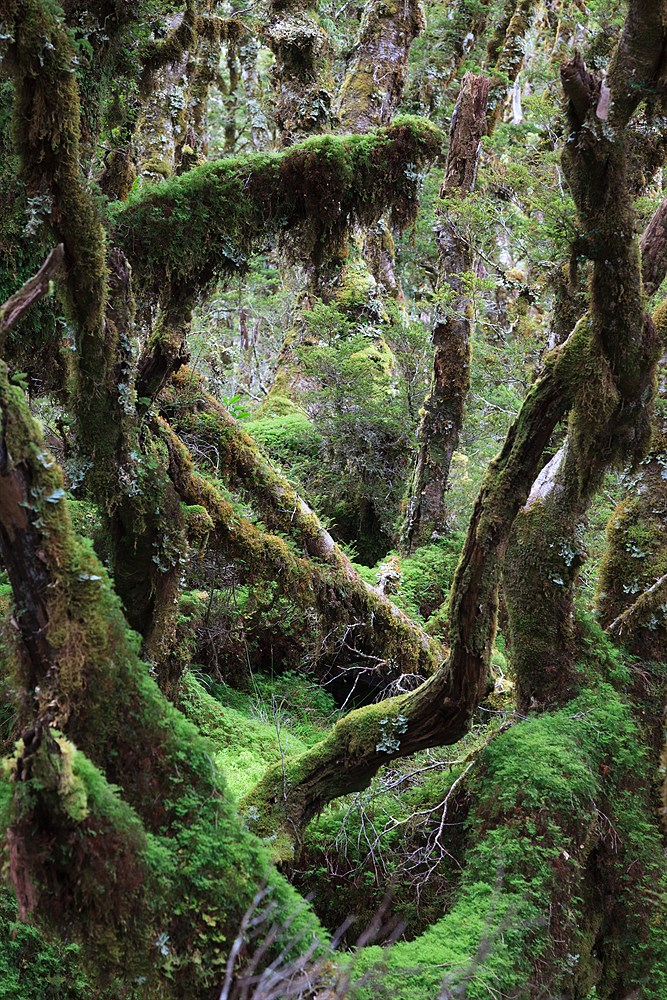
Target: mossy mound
x,y
562,803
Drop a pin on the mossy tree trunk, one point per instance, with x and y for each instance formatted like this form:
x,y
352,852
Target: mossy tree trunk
x,y
505,55
610,422
302,69
631,596
90,865
442,415
479,109
321,579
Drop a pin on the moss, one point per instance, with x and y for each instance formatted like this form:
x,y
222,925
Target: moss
x,y
41,59
518,925
197,520
175,823
86,864
32,964
426,578
286,436
331,588
542,562
207,221
252,731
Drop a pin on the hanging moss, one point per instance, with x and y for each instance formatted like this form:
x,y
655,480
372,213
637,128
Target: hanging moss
x,y
205,223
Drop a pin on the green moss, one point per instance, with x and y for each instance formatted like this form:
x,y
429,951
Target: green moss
x,y
174,829
289,437
251,731
33,965
519,925
206,222
426,577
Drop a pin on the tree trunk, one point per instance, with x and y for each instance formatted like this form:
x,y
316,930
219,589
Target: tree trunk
x,y
609,423
442,416
478,111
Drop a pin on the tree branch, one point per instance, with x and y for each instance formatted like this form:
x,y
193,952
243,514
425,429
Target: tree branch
x,y
205,223
32,290
335,590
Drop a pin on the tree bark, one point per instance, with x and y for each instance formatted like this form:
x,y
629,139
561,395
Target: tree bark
x,y
32,290
442,415
631,598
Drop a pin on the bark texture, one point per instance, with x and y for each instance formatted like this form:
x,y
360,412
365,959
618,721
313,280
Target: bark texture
x,y
442,415
375,78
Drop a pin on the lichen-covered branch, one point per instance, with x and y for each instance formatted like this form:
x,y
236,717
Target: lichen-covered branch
x,y
631,599
195,413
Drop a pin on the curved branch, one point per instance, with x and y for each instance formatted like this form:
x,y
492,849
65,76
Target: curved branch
x,y
205,223
32,290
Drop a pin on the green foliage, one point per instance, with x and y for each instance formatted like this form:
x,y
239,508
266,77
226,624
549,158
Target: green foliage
x,y
32,965
426,577
366,432
289,438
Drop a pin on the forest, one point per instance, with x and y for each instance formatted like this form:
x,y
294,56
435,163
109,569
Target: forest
x,y
333,499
